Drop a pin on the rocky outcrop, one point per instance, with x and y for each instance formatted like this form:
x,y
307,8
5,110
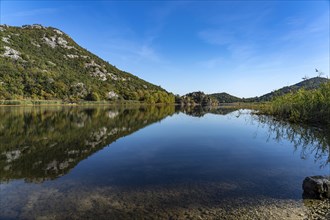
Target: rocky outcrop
x,y
112,95
56,41
6,39
316,187
11,53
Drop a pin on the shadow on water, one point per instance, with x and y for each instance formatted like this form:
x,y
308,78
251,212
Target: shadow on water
x,y
38,144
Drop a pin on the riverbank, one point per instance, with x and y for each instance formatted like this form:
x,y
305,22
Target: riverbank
x,y
67,103
310,107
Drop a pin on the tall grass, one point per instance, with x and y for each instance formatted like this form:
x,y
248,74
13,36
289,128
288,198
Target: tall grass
x,y
306,106
31,102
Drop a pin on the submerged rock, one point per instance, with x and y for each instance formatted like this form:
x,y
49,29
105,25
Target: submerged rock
x,y
316,187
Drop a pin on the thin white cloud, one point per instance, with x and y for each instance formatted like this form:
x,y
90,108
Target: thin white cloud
x,y
139,47
308,29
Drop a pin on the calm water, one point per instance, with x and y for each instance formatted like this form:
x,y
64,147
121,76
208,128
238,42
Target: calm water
x,y
153,162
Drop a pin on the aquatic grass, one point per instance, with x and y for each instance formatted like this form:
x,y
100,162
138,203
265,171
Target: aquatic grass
x,y
31,102
306,106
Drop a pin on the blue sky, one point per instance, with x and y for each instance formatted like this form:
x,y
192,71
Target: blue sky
x,y
246,48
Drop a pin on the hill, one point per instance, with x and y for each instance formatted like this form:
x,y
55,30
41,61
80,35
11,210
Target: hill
x,y
308,84
225,97
38,62
196,98
199,98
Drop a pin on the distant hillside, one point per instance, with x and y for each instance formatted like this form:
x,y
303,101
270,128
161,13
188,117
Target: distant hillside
x,y
39,62
199,98
225,97
196,98
308,84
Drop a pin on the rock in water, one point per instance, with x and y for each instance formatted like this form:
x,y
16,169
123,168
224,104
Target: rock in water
x,y
316,187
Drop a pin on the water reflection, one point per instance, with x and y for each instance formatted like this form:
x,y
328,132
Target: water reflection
x,y
209,166
200,111
309,141
44,143
38,144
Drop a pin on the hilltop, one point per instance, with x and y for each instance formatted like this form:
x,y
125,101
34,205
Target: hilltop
x,y
44,63
225,97
308,84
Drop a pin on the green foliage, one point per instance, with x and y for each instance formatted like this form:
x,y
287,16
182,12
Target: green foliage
x,y
196,98
309,106
65,71
225,98
199,98
93,96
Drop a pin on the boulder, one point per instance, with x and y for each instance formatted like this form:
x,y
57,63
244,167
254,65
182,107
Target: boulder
x,y
316,187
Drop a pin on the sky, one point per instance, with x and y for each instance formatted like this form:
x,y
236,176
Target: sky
x,y
245,48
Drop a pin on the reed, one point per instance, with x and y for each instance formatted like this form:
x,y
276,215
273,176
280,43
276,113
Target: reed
x,y
306,106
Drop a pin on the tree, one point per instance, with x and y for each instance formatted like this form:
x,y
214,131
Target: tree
x,y
93,96
319,73
305,77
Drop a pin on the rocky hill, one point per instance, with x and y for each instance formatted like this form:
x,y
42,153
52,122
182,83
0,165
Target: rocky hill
x,y
38,62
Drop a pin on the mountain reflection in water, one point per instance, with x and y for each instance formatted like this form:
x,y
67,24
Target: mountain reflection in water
x,y
44,143
71,163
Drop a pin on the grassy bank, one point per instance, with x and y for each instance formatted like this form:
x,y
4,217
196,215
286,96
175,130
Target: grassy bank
x,y
62,102
304,106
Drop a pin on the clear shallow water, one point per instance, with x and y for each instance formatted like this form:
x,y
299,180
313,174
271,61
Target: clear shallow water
x,y
154,162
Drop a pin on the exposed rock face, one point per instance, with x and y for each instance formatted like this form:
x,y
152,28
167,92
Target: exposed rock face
x,y
316,187
56,41
6,39
99,71
72,56
112,95
79,89
58,32
51,42
12,155
10,52
33,26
